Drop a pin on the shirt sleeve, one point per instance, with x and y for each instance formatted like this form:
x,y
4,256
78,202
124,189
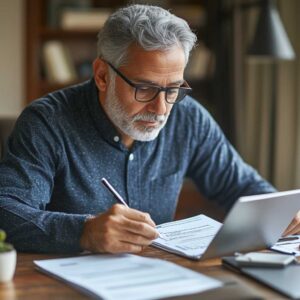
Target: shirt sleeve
x,y
27,175
217,169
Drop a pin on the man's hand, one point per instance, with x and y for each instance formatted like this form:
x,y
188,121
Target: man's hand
x,y
120,229
294,227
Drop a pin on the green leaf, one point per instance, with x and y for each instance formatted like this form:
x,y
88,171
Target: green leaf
x,y
2,235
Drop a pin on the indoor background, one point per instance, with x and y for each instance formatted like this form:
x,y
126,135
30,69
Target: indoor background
x,y
256,102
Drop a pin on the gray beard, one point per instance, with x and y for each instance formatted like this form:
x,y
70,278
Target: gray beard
x,y
127,124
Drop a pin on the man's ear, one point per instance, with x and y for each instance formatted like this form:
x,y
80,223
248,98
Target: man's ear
x,y
100,69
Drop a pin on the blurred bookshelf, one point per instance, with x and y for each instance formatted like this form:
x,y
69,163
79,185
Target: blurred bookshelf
x,y
62,34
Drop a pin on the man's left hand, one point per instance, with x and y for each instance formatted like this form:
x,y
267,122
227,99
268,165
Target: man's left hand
x,y
294,227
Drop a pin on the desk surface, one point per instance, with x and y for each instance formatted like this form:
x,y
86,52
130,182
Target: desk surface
x,y
28,283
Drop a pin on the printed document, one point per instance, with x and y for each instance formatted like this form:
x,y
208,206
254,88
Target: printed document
x,y
127,277
188,237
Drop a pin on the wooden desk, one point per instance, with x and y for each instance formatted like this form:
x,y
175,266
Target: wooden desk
x,y
28,283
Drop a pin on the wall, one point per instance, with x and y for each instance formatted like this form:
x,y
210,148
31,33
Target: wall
x,y
12,51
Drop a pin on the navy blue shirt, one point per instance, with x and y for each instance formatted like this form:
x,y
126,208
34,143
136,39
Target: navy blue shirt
x,y
63,144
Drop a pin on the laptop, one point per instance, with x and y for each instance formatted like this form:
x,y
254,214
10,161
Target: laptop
x,y
253,223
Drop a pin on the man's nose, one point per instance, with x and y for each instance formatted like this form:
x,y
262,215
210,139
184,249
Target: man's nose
x,y
159,105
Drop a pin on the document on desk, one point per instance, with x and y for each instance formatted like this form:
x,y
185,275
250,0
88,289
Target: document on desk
x,y
188,237
288,245
126,276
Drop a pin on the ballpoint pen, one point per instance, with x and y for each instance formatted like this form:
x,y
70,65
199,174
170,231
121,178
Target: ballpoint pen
x,y
113,191
288,239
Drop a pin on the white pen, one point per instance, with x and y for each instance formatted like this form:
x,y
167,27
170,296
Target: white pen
x,y
118,196
113,191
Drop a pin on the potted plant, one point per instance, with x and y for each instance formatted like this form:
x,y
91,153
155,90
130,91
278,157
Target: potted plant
x,y
8,259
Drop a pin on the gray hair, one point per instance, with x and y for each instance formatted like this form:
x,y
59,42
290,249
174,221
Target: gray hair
x,y
151,27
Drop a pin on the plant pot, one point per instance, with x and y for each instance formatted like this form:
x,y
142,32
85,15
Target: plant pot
x,y
8,262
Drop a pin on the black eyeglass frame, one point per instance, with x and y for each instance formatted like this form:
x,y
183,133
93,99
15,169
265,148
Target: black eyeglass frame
x,y
184,87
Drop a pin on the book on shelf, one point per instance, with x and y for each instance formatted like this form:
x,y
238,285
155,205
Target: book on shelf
x,y
194,14
91,19
201,63
55,7
59,66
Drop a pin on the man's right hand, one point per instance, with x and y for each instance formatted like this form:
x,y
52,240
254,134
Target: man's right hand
x,y
120,229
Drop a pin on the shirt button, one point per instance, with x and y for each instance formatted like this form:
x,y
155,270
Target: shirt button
x,y
116,138
131,156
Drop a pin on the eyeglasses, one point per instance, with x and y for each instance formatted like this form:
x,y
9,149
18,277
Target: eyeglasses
x,y
147,93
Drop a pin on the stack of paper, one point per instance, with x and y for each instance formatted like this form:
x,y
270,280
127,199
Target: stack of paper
x,y
288,245
127,277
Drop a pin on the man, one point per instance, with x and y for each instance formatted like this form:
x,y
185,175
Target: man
x,y
127,124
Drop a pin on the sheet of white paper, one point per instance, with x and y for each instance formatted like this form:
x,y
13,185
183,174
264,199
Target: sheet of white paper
x,y
289,247
127,277
189,237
